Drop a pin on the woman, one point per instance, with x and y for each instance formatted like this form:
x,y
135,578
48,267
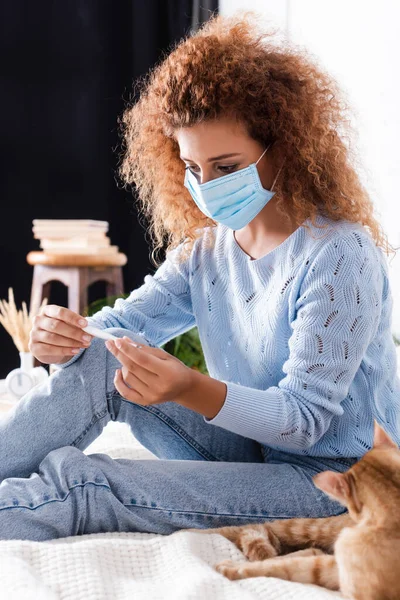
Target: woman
x,y
236,148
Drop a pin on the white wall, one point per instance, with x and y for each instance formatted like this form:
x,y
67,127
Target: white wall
x,y
276,10
357,41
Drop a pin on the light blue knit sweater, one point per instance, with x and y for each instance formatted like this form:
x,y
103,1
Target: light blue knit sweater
x,y
301,336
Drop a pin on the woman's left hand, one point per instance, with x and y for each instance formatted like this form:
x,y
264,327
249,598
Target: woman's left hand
x,y
148,375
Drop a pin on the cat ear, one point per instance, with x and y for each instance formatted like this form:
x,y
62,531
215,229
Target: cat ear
x,y
333,484
354,499
340,487
381,438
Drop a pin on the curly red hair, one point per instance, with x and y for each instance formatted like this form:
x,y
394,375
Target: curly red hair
x,y
230,66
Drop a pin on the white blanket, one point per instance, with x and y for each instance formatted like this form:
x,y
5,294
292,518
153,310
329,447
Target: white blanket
x,y
133,566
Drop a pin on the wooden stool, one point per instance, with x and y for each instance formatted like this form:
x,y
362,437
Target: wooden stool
x,y
77,272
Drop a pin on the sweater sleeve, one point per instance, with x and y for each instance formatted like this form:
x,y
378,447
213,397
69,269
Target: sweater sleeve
x,y
336,315
158,310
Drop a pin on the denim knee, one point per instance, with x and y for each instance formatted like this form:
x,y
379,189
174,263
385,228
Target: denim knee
x,y
68,467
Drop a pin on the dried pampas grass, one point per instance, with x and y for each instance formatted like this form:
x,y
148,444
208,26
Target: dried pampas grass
x,y
18,323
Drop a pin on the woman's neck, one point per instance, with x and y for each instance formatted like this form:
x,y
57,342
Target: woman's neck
x,y
266,231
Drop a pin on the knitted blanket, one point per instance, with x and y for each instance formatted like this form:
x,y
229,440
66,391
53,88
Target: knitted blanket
x,y
127,566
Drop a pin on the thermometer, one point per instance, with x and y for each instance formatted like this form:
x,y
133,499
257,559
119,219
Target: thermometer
x,y
95,332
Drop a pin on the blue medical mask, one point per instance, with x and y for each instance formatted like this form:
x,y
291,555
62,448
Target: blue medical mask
x,y
234,199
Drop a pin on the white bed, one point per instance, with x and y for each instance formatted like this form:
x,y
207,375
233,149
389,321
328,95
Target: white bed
x,y
122,566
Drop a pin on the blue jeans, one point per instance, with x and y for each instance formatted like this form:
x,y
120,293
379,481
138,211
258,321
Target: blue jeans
x,y
204,476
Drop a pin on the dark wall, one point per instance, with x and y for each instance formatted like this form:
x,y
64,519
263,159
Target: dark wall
x,y
66,73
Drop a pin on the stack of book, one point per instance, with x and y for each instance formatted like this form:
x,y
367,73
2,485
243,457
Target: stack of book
x,y
73,236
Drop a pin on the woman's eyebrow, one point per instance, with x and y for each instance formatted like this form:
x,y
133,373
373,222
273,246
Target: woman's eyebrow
x,y
216,157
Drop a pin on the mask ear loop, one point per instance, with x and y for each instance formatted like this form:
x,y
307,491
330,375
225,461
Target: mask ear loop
x,y
280,169
263,153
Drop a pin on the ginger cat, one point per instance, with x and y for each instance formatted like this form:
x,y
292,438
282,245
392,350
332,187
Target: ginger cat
x,y
357,552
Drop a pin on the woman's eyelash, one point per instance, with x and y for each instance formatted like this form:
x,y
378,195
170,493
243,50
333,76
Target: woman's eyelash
x,y
220,167
227,166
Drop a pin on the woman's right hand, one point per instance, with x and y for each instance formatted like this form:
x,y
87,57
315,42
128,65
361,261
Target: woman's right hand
x,y
57,334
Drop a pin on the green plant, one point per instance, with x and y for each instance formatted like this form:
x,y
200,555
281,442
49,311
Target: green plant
x,y
186,346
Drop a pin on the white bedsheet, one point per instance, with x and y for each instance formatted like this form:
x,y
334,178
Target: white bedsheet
x,y
133,566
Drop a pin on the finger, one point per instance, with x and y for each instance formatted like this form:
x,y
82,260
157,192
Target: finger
x,y
40,349
64,314
127,393
134,382
141,355
54,339
158,352
132,360
60,333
